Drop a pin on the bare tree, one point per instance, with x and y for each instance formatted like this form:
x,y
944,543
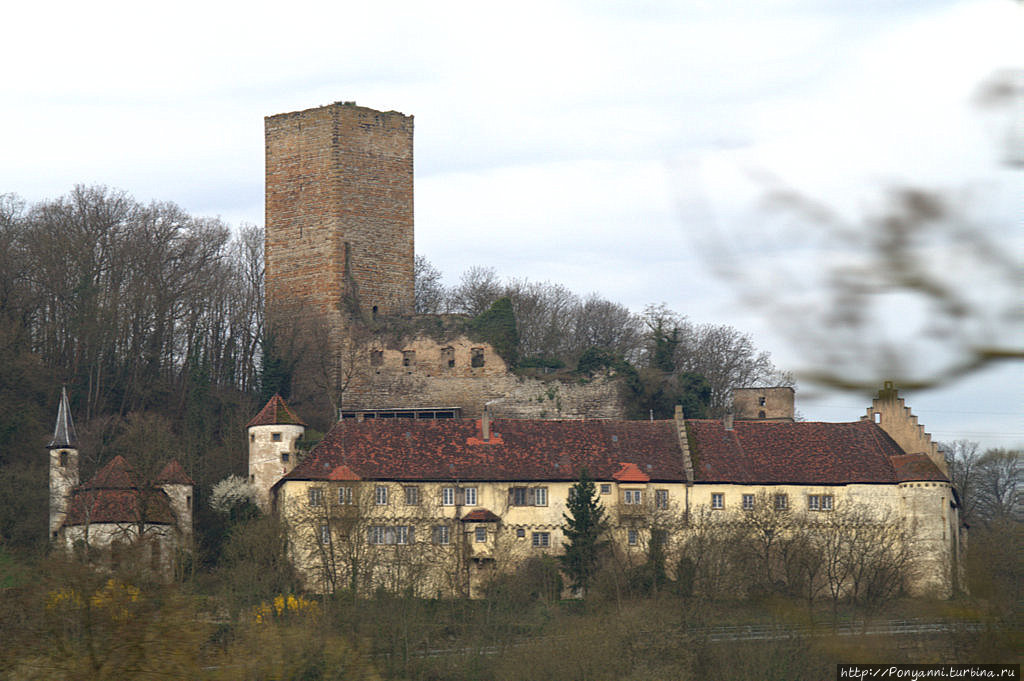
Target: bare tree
x,y
478,288
429,292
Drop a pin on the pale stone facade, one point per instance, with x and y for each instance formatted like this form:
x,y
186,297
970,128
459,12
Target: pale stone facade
x,y
494,523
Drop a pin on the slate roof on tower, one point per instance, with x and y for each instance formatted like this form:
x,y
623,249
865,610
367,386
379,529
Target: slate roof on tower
x,y
64,435
276,412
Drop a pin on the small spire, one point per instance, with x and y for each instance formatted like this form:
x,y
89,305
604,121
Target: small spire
x,y
64,435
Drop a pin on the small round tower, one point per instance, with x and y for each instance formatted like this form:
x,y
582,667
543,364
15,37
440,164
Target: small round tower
x,y
63,464
273,433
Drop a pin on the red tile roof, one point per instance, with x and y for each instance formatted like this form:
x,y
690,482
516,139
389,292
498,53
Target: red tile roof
x,y
811,453
451,449
630,473
114,495
121,506
173,474
753,452
275,412
916,467
480,515
117,474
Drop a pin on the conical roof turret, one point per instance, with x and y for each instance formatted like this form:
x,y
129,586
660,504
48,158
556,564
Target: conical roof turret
x,y
64,435
276,412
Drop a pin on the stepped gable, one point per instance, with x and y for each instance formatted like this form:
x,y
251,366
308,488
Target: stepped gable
x,y
276,412
173,474
810,453
917,468
527,450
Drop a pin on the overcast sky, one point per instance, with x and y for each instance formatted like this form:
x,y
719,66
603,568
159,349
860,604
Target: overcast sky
x,y
594,144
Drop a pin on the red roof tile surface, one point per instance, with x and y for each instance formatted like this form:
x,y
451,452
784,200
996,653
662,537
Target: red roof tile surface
x,y
121,506
480,515
275,412
916,467
116,474
753,452
630,472
451,449
114,495
173,474
810,453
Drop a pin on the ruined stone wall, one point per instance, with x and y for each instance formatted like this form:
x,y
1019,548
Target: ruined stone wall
x,y
467,374
339,214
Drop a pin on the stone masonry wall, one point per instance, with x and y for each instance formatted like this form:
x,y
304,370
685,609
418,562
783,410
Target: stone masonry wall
x,y
339,214
425,373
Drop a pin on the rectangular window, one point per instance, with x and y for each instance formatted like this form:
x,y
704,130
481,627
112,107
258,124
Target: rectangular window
x,y
380,495
633,497
634,537
442,535
606,488
520,533
661,498
376,357
412,496
448,357
819,502
325,535
528,496
541,540
480,535
63,459
476,357
385,534
401,534
345,496
316,496
469,496
781,502
276,437
718,501
408,358
748,502
447,496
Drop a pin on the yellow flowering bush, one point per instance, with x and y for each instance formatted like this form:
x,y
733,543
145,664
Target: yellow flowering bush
x,y
283,605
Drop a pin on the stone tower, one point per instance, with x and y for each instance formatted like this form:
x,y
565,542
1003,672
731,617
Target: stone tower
x,y
63,464
339,215
272,450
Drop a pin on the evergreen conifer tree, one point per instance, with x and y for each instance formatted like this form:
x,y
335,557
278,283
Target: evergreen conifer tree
x,y
584,529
